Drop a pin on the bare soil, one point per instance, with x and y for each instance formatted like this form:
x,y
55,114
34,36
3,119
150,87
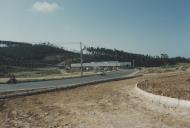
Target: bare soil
x,y
106,105
176,85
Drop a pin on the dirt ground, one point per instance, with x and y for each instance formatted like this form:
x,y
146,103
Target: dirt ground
x,y
106,105
176,85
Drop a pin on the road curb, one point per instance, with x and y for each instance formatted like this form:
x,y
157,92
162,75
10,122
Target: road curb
x,y
45,90
163,100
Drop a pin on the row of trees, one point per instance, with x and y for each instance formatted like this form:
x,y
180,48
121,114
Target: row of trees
x,y
103,54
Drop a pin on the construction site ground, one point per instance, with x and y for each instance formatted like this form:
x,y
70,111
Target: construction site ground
x,y
175,85
106,105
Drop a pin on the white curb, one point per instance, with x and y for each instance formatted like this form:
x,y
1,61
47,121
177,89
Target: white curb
x,y
163,100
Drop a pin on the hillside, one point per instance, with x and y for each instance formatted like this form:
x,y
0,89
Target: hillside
x,y
103,54
20,54
38,55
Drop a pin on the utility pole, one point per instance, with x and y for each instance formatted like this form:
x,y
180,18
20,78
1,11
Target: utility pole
x,y
133,63
116,58
81,58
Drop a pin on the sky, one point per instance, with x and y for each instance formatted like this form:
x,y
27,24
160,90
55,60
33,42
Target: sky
x,y
138,26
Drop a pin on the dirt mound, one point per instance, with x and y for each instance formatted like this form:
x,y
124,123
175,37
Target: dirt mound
x,y
176,85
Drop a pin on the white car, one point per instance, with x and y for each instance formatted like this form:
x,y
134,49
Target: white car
x,y
101,73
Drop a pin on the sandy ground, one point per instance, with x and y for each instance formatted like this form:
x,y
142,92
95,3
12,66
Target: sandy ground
x,y
176,85
106,105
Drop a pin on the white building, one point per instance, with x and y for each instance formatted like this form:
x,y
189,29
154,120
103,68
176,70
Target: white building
x,y
3,45
105,64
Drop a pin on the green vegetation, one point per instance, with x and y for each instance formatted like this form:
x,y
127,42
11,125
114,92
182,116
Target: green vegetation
x,y
103,54
32,55
46,54
31,62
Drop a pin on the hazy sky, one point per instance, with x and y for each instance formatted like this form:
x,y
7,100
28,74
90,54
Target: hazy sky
x,y
139,26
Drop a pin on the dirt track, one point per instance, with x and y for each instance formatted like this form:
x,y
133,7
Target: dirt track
x,y
107,105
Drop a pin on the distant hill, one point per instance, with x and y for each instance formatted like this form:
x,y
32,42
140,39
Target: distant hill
x,y
39,55
15,53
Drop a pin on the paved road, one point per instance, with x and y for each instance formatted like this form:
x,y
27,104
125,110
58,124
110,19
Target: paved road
x,y
63,83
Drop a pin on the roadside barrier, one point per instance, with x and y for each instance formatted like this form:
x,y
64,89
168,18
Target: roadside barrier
x,y
163,100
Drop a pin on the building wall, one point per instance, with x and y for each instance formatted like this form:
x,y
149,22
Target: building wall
x,y
103,64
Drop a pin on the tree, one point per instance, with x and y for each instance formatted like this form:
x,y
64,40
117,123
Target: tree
x,y
164,56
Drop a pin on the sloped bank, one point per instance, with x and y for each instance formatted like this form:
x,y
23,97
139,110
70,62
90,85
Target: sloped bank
x,y
162,100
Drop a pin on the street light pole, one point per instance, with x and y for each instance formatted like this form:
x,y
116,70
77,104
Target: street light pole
x,y
133,63
81,58
116,61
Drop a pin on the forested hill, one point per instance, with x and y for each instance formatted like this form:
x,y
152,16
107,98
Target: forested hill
x,y
14,53
23,54
102,54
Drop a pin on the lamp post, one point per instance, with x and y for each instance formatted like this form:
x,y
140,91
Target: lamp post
x,y
133,63
81,58
116,59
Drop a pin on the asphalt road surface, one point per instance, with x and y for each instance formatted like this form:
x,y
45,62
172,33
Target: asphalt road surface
x,y
64,82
